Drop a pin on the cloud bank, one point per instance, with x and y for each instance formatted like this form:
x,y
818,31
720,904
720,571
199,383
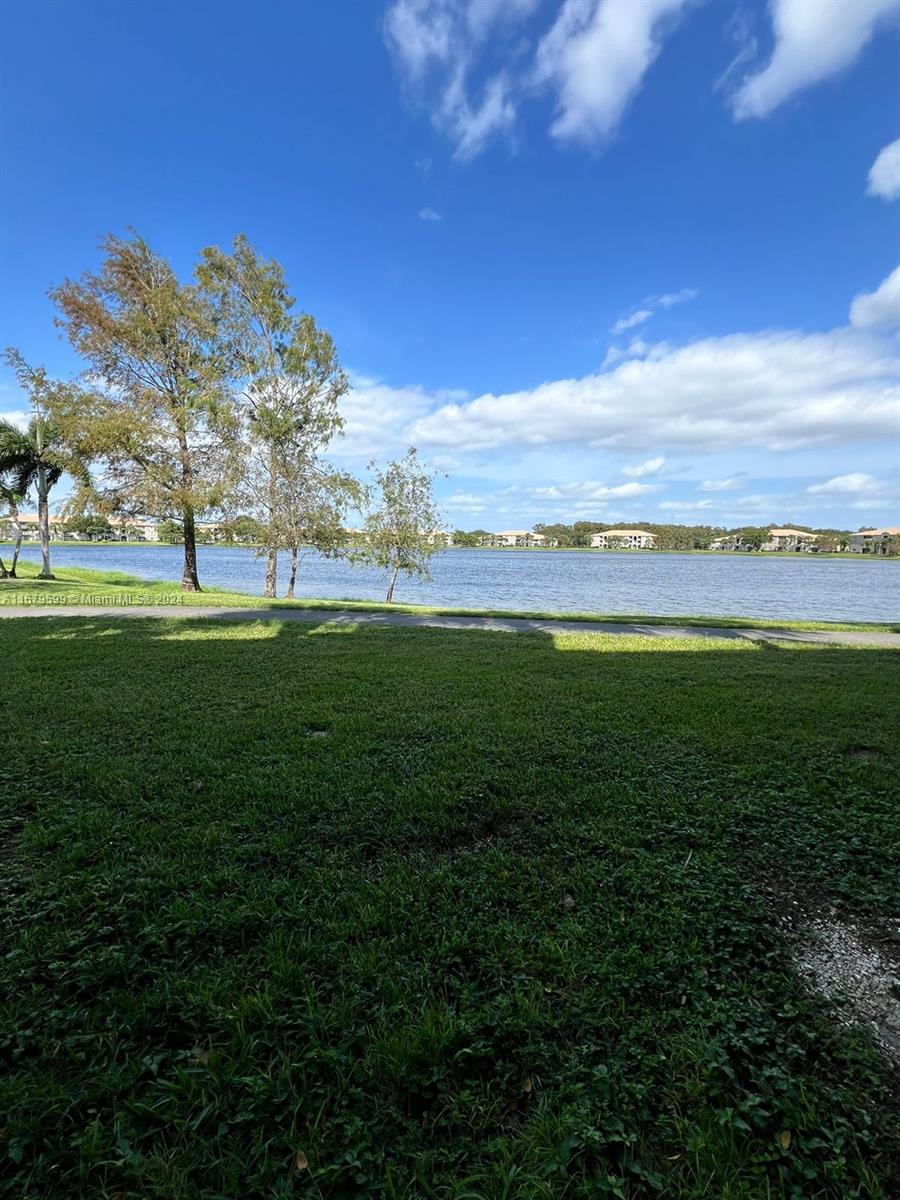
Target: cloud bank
x,y
778,390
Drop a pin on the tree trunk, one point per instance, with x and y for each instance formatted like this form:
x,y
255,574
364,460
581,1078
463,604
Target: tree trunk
x,y
289,594
190,581
269,591
16,548
271,573
390,591
14,517
44,524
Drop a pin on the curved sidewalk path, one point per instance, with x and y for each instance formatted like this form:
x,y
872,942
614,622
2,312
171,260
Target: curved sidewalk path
x,y
501,624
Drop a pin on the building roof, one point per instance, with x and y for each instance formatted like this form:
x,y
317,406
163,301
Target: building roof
x,y
516,533
799,533
891,531
624,533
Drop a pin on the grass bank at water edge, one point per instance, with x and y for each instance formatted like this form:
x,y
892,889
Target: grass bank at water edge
x,y
76,585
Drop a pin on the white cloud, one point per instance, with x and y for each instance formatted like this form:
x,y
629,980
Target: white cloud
x,y
884,177
467,502
651,467
778,390
668,299
596,55
436,45
377,417
881,307
589,491
429,214
648,308
686,506
719,485
472,128
738,30
854,483
482,15
17,416
814,39
637,348
636,318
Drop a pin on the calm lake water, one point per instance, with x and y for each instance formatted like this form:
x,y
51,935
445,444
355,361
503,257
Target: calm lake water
x,y
813,587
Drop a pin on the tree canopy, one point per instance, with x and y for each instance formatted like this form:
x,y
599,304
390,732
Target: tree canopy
x,y
161,422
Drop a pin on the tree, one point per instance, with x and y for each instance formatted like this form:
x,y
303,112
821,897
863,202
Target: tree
x,y
10,499
290,382
563,535
38,455
313,503
170,532
163,426
90,525
752,536
466,540
401,528
242,529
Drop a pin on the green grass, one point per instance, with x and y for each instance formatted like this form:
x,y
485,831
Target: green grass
x,y
75,585
371,912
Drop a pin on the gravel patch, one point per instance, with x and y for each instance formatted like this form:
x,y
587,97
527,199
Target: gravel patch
x,y
835,961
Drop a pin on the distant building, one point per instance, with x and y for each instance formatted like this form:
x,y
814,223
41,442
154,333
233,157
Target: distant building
x,y
778,539
122,529
623,539
790,539
519,537
134,529
731,541
873,541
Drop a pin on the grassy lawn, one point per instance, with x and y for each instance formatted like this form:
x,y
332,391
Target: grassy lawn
x,y
334,912
76,585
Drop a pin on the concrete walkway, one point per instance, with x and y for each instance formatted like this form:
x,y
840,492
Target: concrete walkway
x,y
500,624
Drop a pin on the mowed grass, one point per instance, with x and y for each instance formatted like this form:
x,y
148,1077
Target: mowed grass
x,y
337,912
78,585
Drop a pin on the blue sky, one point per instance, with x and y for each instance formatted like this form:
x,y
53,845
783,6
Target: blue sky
x,y
609,259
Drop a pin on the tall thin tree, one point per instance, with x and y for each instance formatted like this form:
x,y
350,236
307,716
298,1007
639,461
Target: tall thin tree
x,y
289,381
10,499
403,529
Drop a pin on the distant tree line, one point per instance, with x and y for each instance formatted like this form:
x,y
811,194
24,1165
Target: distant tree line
x,y
668,537
199,399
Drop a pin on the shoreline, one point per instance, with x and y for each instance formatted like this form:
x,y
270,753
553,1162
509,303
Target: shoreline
x,y
825,556
79,586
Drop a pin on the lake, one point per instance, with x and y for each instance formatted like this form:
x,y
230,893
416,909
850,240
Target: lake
x,y
629,582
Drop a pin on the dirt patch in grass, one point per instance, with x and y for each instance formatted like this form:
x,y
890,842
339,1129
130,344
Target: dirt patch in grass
x,y
863,753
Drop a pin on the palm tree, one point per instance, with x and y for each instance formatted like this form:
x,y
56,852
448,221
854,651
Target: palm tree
x,y
34,457
10,500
